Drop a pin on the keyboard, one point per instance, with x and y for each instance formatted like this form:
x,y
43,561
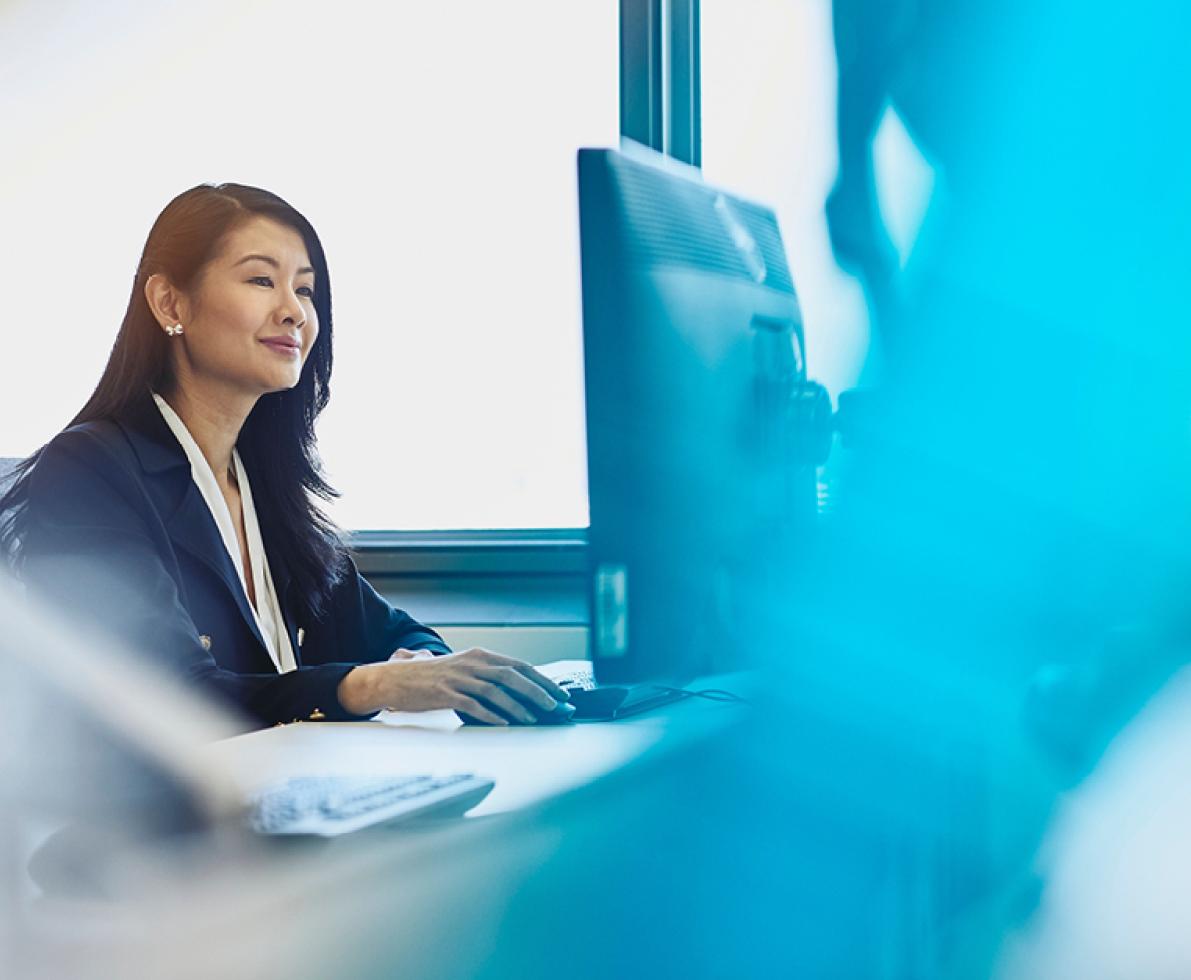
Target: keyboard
x,y
327,806
574,675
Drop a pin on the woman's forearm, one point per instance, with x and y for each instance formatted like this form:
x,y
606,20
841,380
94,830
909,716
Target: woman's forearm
x,y
362,690
482,684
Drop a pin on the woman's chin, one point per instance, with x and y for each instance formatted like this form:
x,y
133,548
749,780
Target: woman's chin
x,y
284,382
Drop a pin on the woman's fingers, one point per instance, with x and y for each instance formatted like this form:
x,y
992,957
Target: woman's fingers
x,y
498,698
512,680
538,679
509,687
542,681
478,710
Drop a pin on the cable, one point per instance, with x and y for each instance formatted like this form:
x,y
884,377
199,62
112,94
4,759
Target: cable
x,y
710,694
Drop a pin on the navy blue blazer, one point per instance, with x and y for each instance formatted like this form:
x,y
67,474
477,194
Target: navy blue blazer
x,y
117,535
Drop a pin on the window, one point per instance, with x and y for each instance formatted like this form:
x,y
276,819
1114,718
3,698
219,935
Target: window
x,y
432,146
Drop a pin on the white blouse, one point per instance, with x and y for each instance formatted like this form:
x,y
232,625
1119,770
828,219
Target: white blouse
x,y
268,617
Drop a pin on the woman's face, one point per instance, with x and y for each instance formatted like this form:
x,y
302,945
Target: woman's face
x,y
251,318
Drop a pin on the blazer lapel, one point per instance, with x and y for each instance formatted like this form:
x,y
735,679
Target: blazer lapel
x,y
187,518
192,527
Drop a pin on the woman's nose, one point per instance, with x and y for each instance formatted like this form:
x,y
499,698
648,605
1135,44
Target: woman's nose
x,y
291,309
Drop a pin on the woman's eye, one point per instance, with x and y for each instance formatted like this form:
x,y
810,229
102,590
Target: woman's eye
x,y
307,291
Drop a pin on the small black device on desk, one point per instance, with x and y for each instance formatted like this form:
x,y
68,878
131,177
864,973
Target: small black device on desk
x,y
608,702
596,702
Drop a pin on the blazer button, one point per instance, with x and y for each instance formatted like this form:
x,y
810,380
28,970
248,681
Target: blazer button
x,y
317,715
205,641
301,635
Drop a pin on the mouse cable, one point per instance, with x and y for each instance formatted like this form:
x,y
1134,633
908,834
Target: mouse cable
x,y
709,693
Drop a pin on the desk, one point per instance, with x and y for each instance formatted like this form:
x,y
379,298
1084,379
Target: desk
x,y
448,899
529,764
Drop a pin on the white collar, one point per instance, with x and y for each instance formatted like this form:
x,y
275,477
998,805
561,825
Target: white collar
x,y
269,619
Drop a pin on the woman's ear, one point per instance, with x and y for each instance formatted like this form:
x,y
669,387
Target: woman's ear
x,y
168,304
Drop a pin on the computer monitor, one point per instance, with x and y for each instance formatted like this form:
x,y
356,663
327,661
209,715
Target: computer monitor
x,y
700,472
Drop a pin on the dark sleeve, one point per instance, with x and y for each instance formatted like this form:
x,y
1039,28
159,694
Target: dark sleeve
x,y
368,628
361,626
94,548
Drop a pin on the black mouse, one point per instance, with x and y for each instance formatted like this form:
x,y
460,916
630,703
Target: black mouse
x,y
561,714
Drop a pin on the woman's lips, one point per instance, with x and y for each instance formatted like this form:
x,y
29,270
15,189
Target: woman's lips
x,y
283,347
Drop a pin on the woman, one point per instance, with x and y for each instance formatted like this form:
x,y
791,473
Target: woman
x,y
176,513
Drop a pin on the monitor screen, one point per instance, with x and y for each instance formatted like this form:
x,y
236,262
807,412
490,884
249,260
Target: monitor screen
x,y
693,363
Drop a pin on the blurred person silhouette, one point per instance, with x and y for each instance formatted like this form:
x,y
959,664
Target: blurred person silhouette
x,y
1020,507
178,513
1033,356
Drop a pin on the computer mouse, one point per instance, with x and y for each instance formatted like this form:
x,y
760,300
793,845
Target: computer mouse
x,y
562,714
597,704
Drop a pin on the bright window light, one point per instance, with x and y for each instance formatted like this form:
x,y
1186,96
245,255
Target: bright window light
x,y
431,145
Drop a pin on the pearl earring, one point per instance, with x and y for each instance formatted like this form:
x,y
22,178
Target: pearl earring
x,y
174,330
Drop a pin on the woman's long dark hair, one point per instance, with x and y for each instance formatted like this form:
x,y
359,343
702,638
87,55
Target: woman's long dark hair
x,y
277,441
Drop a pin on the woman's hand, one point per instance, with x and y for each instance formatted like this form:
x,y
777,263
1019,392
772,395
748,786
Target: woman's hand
x,y
487,686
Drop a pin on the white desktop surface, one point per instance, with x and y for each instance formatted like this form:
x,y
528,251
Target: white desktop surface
x,y
425,898
528,763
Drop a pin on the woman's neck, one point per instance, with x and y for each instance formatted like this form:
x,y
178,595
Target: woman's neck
x,y
214,422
